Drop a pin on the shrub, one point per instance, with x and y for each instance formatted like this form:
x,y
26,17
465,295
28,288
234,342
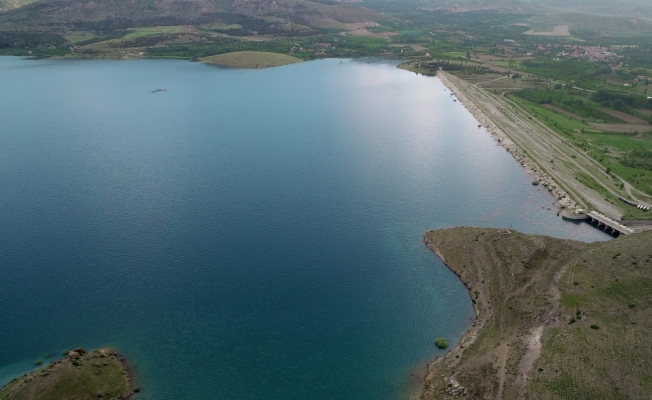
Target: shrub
x,y
441,343
595,327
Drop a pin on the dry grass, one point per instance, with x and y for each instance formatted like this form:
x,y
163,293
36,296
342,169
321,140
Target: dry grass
x,y
557,319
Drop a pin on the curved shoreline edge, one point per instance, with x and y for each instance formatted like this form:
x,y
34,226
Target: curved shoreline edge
x,y
501,137
481,307
80,374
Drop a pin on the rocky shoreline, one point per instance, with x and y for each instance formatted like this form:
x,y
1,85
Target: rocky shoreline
x,y
527,163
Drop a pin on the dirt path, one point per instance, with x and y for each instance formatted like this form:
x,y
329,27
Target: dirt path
x,y
502,364
630,189
492,80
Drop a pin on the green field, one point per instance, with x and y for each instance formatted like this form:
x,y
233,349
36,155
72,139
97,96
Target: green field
x,y
628,156
75,37
151,31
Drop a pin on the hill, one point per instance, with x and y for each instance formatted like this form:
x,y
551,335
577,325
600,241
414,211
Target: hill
x,y
122,14
556,319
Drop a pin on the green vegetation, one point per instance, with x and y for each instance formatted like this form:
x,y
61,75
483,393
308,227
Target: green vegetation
x,y
441,343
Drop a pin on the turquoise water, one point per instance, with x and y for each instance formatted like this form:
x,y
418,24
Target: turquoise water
x,y
245,234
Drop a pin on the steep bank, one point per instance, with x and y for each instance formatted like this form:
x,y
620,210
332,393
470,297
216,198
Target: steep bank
x,y
79,375
555,318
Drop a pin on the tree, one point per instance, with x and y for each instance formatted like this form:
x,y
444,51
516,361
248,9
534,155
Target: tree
x,y
468,55
618,105
441,343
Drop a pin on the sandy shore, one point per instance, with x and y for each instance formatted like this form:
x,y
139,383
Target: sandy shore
x,y
530,166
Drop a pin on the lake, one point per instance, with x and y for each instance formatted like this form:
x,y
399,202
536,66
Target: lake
x,y
245,234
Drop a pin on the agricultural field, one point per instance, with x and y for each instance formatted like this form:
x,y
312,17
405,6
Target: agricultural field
x,y
619,141
150,31
76,37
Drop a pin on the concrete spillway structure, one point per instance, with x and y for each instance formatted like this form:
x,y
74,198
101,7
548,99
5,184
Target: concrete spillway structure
x,y
608,224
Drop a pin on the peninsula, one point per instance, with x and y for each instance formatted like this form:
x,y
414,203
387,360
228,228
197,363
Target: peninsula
x,y
554,318
79,375
251,59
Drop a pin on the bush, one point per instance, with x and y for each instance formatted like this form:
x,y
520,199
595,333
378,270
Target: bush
x,y
441,343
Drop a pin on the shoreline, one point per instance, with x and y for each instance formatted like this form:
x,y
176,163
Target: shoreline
x,y
561,196
482,309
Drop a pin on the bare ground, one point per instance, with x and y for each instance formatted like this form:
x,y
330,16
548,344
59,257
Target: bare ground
x,y
630,119
560,30
562,111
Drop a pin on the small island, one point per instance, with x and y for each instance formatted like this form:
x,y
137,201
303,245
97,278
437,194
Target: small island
x,y
555,319
251,59
79,375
